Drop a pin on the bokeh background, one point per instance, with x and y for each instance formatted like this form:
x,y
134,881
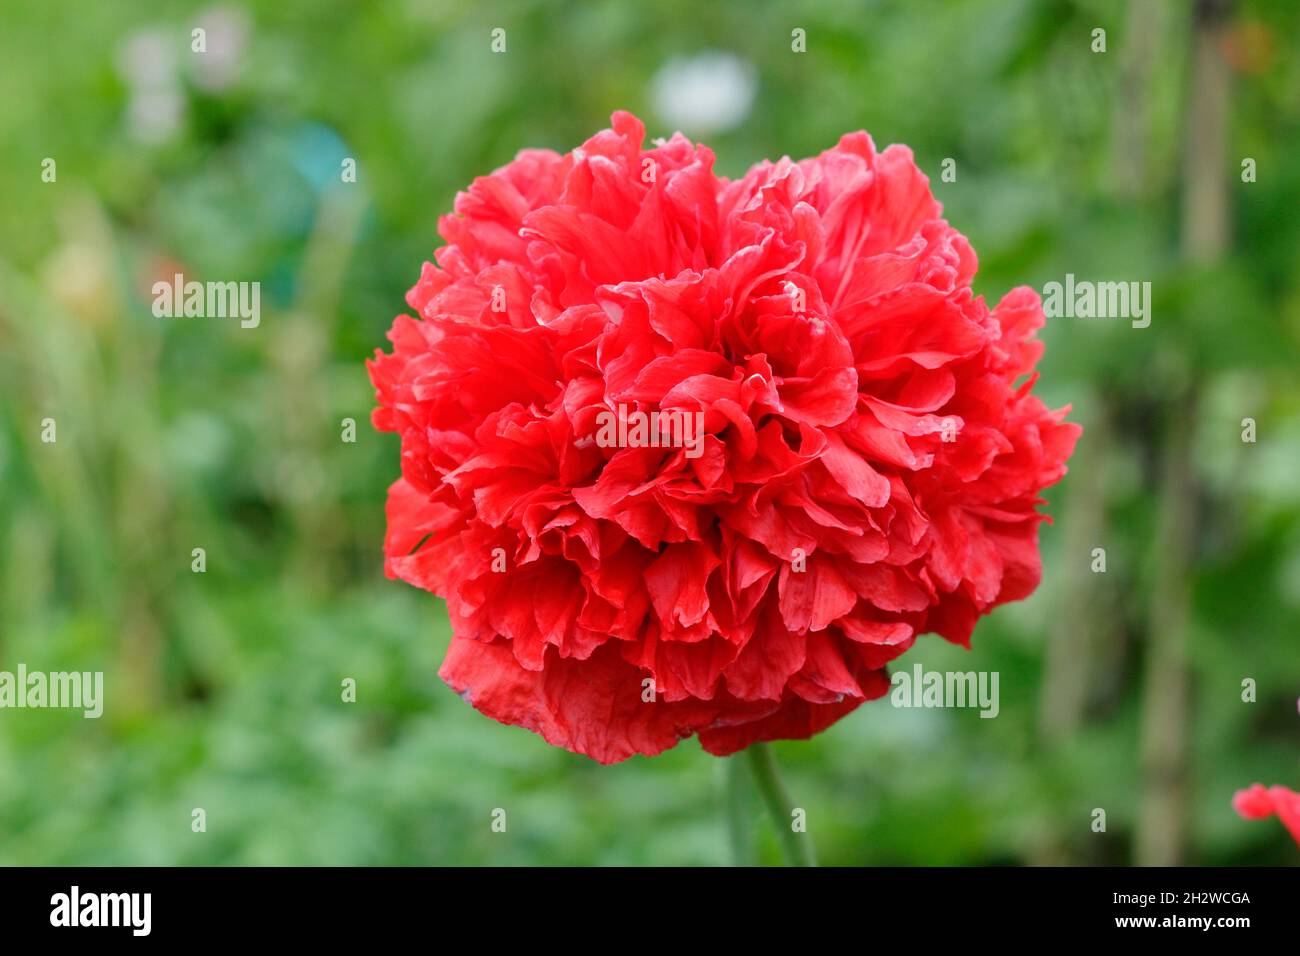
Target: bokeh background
x,y
1121,691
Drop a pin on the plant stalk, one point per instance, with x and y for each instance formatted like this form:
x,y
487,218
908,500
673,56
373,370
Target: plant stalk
x,y
797,848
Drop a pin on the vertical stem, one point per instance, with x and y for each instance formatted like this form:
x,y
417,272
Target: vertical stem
x,y
1086,624
739,826
1162,815
797,848
1163,810
1070,646
1205,231
1143,32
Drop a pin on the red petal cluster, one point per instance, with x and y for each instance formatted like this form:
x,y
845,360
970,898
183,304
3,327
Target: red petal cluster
x,y
1259,802
869,471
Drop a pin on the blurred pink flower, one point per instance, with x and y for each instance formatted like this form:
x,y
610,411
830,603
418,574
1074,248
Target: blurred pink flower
x,y
1259,802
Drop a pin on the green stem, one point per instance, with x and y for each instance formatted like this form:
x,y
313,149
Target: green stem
x,y
738,822
797,848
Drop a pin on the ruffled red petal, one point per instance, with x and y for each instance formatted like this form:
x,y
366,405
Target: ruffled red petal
x,y
867,467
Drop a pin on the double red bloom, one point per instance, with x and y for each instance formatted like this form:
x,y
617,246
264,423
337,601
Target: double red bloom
x,y
871,460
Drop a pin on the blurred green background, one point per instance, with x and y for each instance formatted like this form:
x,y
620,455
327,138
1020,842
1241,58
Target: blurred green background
x,y
1120,691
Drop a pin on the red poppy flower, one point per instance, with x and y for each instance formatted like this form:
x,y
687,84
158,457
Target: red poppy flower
x,y
1259,802
865,467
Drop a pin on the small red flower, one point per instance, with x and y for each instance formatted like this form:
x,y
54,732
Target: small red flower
x,y
1259,802
866,468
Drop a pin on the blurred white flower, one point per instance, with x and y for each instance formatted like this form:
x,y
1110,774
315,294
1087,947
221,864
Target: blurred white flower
x,y
147,61
155,115
706,93
227,32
